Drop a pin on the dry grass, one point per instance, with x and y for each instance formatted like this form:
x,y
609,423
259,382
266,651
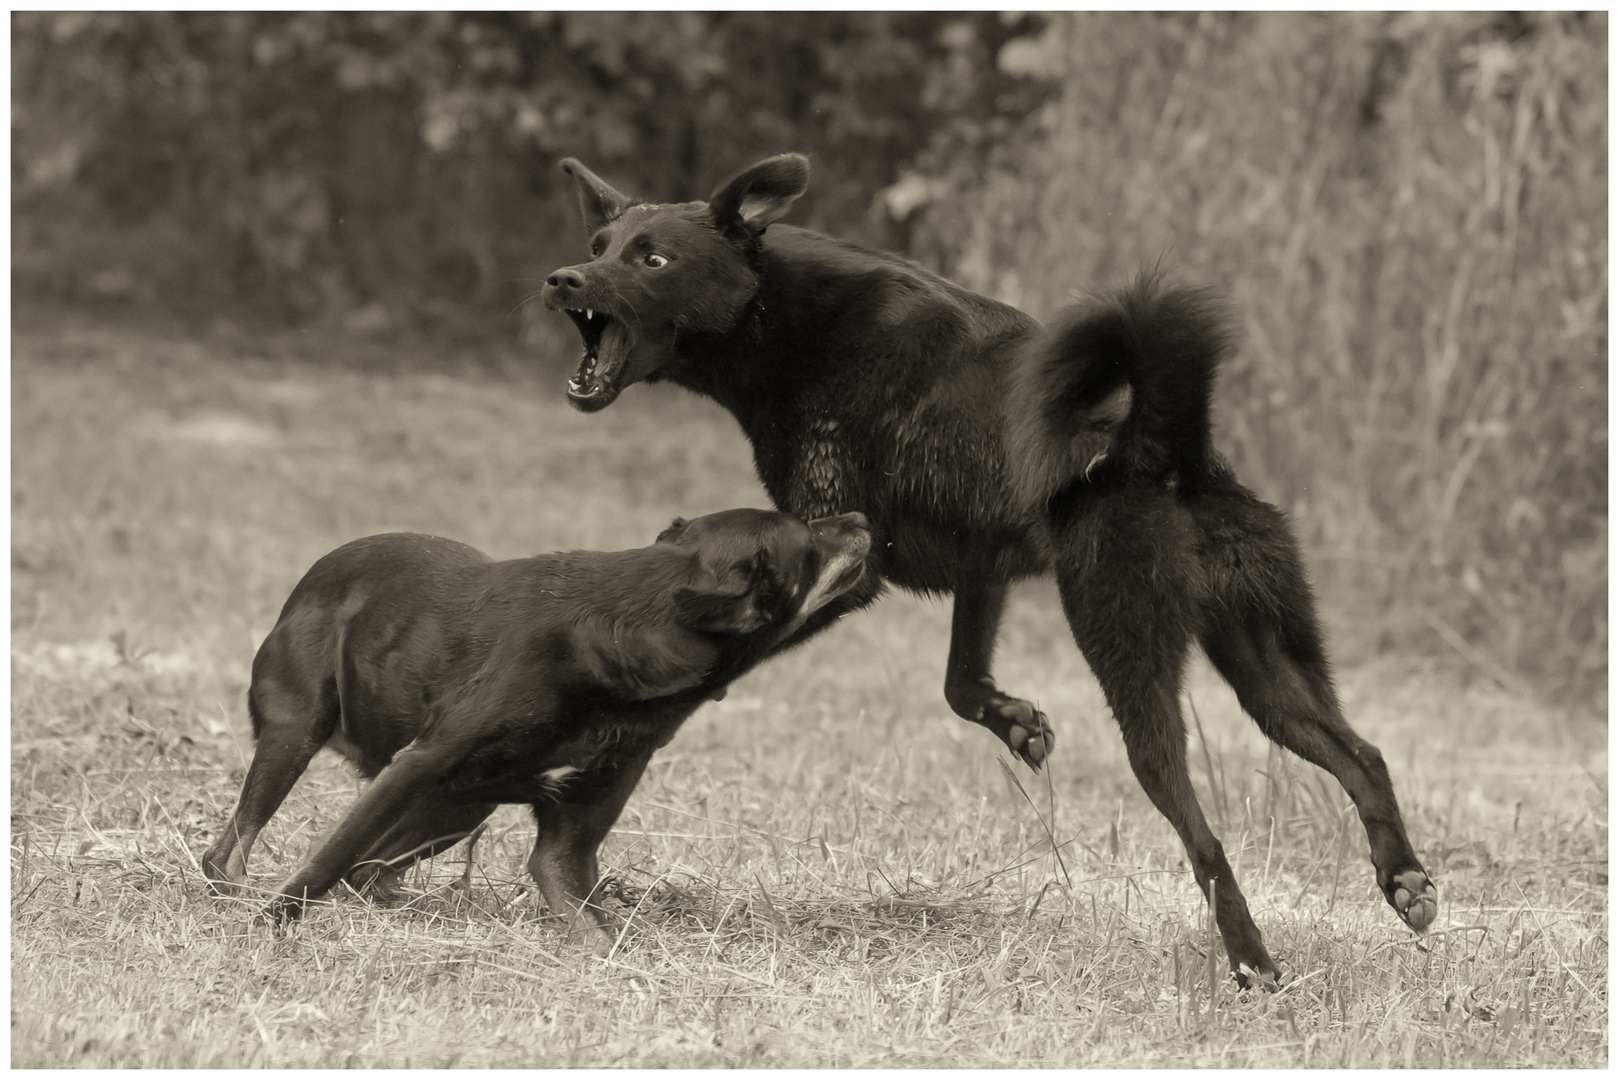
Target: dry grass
x,y
826,869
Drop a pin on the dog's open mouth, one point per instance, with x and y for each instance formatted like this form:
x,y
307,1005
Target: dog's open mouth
x,y
847,567
607,342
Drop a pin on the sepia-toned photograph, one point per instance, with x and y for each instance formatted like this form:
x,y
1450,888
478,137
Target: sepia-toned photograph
x,y
809,540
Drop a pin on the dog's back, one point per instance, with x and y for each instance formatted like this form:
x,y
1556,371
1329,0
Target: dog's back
x,y
381,628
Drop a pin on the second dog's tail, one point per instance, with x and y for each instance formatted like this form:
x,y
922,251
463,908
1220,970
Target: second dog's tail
x,y
1117,388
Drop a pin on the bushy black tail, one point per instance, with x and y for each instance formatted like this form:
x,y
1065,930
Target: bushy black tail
x,y
1117,388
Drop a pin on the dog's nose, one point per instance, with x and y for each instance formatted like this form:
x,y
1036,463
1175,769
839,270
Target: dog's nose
x,y
567,277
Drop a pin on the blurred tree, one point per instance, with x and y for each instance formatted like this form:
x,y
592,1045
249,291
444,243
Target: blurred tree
x,y
1409,211
399,168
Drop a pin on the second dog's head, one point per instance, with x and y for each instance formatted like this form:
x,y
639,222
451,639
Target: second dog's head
x,y
763,569
723,592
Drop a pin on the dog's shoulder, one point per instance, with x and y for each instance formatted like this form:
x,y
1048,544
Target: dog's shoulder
x,y
601,623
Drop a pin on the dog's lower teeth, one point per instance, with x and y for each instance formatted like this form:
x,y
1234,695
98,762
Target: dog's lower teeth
x,y
590,313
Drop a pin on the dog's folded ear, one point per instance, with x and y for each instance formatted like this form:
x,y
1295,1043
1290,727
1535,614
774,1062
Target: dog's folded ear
x,y
748,202
719,611
642,659
599,203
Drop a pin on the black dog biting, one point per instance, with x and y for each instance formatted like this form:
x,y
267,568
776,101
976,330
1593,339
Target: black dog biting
x,y
460,683
985,449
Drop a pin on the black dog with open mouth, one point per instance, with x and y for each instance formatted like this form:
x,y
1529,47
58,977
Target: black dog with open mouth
x,y
986,448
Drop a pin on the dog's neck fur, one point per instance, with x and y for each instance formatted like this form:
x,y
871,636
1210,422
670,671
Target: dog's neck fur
x,y
817,302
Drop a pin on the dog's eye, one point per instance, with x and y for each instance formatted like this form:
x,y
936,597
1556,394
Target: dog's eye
x,y
656,261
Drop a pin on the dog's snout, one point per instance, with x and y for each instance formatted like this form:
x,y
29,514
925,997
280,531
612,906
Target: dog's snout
x,y
566,278
842,523
851,532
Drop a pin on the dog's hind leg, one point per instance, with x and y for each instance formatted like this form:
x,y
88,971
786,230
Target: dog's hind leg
x,y
1262,636
968,685
564,859
432,824
1127,578
291,721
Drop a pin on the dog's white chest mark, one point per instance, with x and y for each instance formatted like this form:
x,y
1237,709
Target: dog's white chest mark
x,y
552,780
820,593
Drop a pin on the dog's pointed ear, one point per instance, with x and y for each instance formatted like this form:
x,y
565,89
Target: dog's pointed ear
x,y
718,611
748,202
599,203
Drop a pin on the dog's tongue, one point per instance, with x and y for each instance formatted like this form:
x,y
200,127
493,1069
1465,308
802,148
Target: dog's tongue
x,y
596,384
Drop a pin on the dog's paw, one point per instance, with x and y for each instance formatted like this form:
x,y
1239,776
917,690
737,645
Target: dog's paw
x,y
591,937
226,871
1414,899
1267,976
1022,727
1028,732
280,913
379,883
223,887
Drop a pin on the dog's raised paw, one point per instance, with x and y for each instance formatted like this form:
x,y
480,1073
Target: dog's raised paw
x,y
1028,732
1415,899
1035,749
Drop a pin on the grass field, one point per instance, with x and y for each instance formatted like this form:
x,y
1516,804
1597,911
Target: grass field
x,y
825,869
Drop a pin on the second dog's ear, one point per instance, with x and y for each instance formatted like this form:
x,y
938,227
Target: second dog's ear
x,y
718,611
759,194
598,202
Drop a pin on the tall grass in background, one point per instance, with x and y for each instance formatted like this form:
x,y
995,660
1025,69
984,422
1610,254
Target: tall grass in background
x,y
1408,212
1409,215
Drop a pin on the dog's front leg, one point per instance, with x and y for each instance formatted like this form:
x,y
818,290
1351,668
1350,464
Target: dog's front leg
x,y
564,859
412,769
971,690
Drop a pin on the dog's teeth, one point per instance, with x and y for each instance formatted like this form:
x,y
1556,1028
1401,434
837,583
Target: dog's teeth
x,y
590,313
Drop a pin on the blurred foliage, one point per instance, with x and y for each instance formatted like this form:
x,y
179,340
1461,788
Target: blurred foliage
x,y
1409,212
398,170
